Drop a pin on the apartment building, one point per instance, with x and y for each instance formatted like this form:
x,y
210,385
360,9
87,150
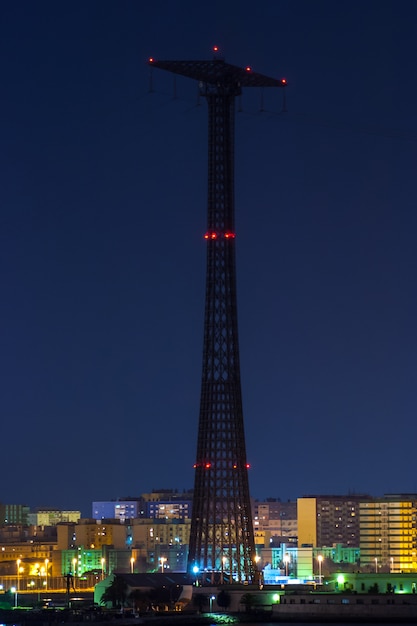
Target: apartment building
x,y
327,520
388,533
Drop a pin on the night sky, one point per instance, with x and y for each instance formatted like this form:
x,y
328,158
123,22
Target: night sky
x,y
102,257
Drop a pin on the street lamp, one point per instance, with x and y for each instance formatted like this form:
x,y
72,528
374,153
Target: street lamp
x,y
46,574
103,562
18,562
224,560
163,560
14,590
286,561
211,602
195,572
132,561
320,560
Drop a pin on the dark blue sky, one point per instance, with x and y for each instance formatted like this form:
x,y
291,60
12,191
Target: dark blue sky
x,y
102,259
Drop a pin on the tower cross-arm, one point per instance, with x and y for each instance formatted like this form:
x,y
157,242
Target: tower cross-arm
x,y
218,72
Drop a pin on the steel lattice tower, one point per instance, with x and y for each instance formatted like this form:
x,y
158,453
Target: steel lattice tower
x,y
221,538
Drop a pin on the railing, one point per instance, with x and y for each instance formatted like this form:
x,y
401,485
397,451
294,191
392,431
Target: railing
x,y
35,584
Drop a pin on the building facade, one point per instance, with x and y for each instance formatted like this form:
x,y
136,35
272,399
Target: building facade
x,y
388,533
277,518
329,520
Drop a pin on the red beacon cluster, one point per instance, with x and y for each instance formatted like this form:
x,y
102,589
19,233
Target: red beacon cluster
x,y
211,234
208,465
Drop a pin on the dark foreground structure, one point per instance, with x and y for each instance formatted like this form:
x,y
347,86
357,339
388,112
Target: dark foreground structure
x,y
222,544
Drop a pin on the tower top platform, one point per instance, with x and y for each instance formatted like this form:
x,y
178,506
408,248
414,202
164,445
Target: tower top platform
x,y
218,72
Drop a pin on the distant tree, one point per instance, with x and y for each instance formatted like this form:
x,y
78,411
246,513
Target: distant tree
x,y
200,600
374,588
165,596
224,599
140,600
248,600
116,592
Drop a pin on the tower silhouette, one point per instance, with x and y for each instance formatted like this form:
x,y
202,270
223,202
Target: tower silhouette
x,y
222,546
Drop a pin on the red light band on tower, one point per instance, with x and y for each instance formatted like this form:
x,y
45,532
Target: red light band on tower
x,y
213,235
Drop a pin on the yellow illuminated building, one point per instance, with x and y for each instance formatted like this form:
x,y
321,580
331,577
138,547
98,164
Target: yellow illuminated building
x,y
329,520
388,533
307,522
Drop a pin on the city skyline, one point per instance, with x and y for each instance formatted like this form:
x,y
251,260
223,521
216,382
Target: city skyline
x,y
103,258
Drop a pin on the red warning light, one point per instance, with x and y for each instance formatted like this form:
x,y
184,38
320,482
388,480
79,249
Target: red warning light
x,y
151,59
247,466
229,235
234,466
210,235
215,48
283,81
248,69
207,465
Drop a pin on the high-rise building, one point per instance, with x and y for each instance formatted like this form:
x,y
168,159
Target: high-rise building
x,y
278,519
117,509
327,520
388,533
52,517
14,514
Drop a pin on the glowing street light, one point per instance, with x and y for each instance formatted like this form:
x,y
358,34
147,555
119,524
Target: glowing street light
x,y
286,561
132,562
211,603
320,560
14,590
163,560
18,562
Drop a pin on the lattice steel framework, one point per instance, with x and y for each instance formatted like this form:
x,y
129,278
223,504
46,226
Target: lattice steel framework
x,y
221,538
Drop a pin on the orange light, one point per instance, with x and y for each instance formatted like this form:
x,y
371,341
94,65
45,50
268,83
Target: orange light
x,y
234,466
